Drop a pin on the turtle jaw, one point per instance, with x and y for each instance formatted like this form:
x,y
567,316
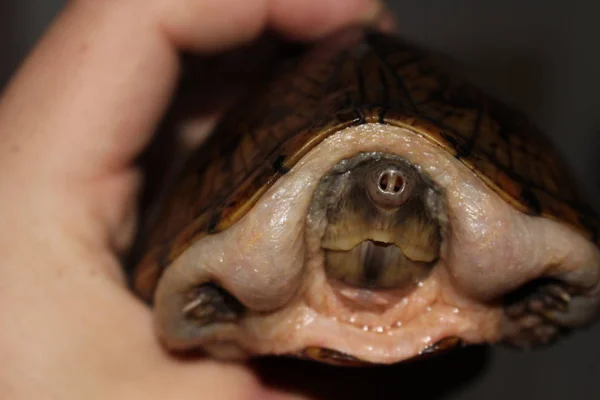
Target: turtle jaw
x,y
324,326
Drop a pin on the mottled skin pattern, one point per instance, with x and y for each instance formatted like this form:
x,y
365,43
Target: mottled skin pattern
x,y
352,78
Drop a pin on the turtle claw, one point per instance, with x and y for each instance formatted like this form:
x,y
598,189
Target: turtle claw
x,y
211,304
555,296
536,312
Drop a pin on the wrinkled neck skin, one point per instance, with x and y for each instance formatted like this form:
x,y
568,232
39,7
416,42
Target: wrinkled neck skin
x,y
272,261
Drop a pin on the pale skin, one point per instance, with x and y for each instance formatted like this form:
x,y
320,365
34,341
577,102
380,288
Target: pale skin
x,y
81,108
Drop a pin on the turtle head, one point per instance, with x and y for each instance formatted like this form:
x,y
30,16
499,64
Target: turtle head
x,y
383,222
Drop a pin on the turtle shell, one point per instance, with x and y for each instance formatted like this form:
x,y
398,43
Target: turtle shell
x,y
354,77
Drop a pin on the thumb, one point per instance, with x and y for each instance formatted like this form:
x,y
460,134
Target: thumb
x,y
87,100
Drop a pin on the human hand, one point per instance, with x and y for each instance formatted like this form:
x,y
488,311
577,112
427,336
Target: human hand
x,y
80,110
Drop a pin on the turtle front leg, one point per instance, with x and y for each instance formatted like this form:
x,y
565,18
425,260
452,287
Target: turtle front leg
x,y
541,311
565,297
209,304
204,297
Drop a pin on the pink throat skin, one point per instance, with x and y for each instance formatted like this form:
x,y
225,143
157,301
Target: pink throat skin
x,y
272,262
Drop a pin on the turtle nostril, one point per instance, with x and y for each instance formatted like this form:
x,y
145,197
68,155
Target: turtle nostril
x,y
391,182
383,182
388,188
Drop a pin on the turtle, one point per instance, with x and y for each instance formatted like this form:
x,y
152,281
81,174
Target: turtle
x,y
369,205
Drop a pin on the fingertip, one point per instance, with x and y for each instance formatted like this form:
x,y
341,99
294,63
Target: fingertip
x,y
386,22
227,23
319,17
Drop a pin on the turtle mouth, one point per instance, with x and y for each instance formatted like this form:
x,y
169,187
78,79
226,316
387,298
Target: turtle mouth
x,y
375,265
383,222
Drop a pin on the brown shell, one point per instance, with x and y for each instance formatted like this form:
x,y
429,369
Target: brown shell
x,y
355,77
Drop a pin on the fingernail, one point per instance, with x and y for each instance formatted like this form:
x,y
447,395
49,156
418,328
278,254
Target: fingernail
x,y
374,11
380,16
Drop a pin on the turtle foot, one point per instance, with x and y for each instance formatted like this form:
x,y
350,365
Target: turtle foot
x,y
536,313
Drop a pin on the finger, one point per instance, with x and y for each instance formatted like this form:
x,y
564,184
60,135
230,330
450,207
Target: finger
x,y
234,21
99,80
316,18
88,98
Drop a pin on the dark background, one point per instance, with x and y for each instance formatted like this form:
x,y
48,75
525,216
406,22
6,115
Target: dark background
x,y
539,56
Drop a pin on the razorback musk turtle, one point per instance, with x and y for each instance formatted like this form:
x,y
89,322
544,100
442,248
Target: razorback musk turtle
x,y
366,206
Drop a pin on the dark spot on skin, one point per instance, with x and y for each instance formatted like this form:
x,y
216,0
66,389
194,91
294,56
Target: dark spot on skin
x,y
278,164
83,48
531,200
60,273
15,149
